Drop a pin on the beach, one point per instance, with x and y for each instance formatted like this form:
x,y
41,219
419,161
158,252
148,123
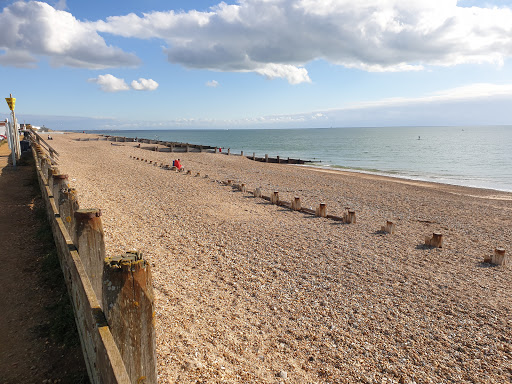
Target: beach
x,y
250,292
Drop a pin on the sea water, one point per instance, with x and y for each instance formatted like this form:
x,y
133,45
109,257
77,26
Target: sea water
x,y
469,156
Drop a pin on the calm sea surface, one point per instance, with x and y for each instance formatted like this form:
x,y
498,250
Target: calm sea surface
x,y
470,156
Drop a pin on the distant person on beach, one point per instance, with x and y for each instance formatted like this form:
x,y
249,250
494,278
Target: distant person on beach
x,y
220,150
177,164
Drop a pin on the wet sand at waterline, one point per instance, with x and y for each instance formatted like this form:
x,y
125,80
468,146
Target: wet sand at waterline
x,y
249,292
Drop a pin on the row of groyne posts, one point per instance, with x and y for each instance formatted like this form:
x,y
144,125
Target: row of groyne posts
x,y
112,297
168,146
348,217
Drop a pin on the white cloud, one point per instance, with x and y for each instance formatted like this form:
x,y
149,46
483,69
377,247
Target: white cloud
x,y
212,83
110,83
291,73
144,85
276,38
30,29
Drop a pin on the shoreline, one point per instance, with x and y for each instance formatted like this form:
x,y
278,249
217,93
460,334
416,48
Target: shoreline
x,y
493,193
496,193
247,291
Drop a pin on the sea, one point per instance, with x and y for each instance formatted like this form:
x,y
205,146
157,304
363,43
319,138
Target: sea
x,y
479,156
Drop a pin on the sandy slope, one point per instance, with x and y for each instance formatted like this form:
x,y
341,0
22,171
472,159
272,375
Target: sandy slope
x,y
252,292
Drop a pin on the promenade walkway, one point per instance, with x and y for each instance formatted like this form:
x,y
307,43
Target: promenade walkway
x,y
27,352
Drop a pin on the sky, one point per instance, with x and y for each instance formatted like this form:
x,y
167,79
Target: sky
x,y
185,64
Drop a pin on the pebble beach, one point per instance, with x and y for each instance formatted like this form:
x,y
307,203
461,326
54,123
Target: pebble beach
x,y
251,292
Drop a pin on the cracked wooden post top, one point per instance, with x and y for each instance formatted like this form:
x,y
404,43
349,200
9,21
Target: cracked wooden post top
x,y
129,307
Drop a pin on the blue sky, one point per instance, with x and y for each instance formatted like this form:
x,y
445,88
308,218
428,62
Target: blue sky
x,y
256,63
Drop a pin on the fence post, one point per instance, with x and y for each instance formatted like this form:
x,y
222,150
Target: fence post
x,y
68,205
60,182
274,198
499,257
128,303
91,245
321,211
296,204
266,157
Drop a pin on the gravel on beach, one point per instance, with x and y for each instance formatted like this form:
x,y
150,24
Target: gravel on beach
x,y
250,292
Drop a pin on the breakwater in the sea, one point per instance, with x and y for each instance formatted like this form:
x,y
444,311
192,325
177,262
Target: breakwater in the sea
x,y
467,156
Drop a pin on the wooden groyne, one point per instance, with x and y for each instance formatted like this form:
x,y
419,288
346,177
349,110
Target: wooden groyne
x,y
171,146
113,301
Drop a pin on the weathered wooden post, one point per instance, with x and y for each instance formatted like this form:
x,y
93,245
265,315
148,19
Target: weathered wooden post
x,y
229,151
278,160
499,257
128,303
389,227
172,147
188,148
296,204
68,205
242,153
91,245
230,182
274,198
243,188
216,149
349,216
435,241
257,192
266,158
201,148
60,182
52,171
254,155
189,172
321,210
198,174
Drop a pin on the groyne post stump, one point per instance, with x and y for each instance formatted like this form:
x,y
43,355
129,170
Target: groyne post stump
x,y
296,204
278,160
321,210
254,155
243,187
229,151
187,149
389,227
257,192
91,245
189,172
230,182
266,158
242,153
60,182
435,241
499,257
349,217
129,307
198,174
68,204
274,198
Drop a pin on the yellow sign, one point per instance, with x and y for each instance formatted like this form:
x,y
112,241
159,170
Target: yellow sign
x,y
10,102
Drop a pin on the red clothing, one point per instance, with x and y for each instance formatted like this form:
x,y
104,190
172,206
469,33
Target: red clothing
x,y
177,164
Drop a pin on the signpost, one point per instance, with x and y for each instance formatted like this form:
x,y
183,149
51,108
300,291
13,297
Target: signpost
x,y
12,132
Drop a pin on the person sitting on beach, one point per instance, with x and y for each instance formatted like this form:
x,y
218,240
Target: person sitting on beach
x,y
177,164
